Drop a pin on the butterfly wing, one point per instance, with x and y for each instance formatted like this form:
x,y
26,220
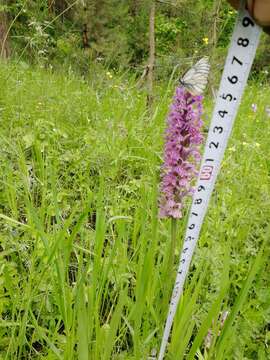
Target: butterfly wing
x,y
195,79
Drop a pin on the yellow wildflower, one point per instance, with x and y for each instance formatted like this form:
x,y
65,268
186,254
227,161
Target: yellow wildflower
x,y
205,40
109,74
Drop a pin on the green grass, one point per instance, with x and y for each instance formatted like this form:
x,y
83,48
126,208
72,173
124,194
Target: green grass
x,y
83,261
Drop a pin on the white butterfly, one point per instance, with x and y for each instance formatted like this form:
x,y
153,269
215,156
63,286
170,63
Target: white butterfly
x,y
195,79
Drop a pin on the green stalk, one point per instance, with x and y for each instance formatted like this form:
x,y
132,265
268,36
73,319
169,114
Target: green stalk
x,y
173,244
168,271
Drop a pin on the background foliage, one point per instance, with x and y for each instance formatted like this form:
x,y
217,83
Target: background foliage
x,y
115,33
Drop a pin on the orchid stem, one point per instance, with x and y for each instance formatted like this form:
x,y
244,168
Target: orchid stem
x,y
169,273
173,244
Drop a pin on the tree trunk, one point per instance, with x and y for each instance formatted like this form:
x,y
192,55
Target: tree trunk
x,y
151,61
134,8
85,30
58,7
51,6
4,42
216,9
98,23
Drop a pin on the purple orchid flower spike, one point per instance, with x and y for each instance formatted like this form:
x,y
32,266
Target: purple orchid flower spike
x,y
181,154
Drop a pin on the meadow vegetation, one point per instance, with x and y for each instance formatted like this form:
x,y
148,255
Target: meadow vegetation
x,y
85,261
84,256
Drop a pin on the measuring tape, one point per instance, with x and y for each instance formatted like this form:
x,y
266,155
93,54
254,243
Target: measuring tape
x,y
244,42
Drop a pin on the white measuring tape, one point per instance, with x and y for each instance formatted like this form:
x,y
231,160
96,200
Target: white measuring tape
x,y
244,42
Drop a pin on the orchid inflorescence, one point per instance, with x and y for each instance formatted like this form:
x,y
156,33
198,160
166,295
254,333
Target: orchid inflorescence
x,y
181,155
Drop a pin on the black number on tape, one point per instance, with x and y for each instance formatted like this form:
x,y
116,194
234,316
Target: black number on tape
x,y
237,60
247,21
218,129
213,144
227,97
233,79
222,113
243,42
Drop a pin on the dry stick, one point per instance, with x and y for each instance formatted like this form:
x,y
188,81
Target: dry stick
x,y
216,9
151,63
214,39
85,32
143,76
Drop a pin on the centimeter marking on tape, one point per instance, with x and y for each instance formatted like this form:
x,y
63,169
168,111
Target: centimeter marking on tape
x,y
244,42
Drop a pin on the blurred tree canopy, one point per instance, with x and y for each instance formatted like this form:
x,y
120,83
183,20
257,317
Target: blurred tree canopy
x,y
115,32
